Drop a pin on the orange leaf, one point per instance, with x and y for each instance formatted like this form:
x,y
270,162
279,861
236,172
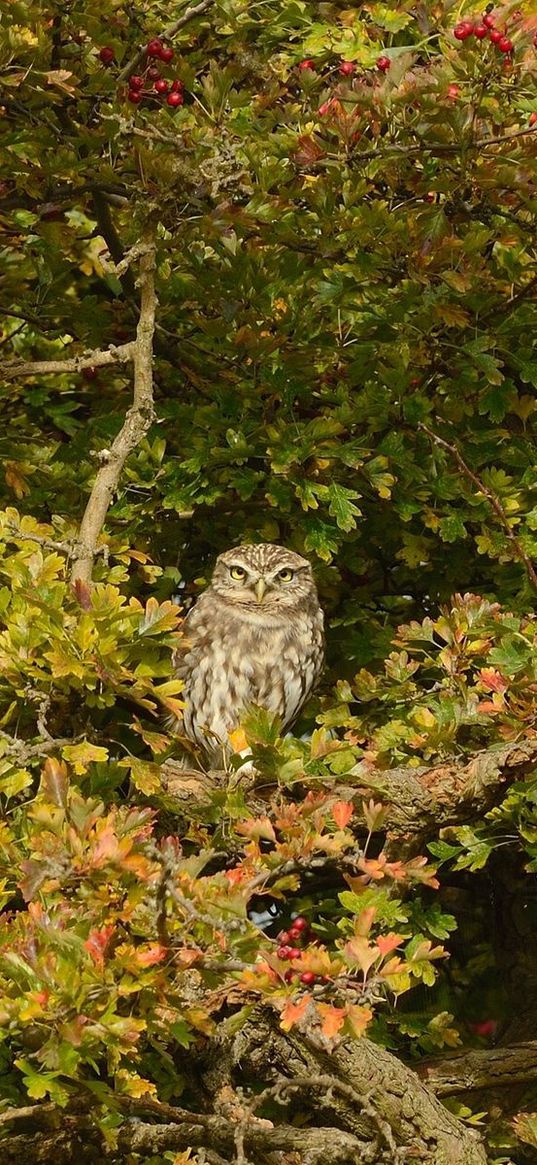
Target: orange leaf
x,y
148,956
342,812
359,1018
389,942
333,1019
293,1012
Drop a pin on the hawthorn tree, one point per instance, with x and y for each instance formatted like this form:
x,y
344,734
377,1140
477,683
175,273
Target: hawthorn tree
x,y
269,274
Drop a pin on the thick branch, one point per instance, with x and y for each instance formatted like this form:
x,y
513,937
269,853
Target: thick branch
x,y
137,422
168,33
421,801
389,1094
483,1068
113,355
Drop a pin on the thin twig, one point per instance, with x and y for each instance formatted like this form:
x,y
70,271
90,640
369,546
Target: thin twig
x,y
136,424
491,497
168,33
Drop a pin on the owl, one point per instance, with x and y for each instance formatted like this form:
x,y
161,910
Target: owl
x,y
255,636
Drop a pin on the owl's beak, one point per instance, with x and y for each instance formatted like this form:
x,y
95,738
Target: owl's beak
x,y
260,588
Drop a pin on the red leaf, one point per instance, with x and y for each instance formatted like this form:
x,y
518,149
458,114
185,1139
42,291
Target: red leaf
x,y
97,942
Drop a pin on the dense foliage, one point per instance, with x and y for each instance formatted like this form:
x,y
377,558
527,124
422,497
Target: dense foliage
x,y
344,202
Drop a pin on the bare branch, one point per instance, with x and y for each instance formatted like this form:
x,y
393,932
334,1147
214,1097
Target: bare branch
x,y
136,424
491,497
113,355
168,33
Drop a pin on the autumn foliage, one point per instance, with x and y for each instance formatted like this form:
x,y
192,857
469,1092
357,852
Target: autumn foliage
x,y
341,206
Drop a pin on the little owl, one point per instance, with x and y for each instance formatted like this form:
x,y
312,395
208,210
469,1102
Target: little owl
x,y
255,636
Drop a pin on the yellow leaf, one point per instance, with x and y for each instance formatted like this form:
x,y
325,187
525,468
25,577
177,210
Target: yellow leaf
x,y
81,755
237,739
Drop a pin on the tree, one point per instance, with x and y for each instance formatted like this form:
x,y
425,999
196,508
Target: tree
x,y
269,273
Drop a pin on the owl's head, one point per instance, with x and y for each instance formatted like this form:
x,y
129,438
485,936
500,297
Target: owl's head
x,y
265,578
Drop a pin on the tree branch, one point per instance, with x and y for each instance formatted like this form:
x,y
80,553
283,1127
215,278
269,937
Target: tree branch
x,y
491,497
112,355
136,424
168,33
483,1068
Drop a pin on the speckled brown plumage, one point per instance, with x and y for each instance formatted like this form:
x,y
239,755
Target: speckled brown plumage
x,y
255,636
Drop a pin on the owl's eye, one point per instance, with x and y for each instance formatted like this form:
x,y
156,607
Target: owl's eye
x,y
237,572
285,575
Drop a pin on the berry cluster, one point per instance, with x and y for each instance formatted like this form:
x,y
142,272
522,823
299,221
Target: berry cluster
x,y
289,949
150,83
484,30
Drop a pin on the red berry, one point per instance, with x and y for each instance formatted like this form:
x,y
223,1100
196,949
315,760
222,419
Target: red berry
x,y
283,938
495,35
505,45
289,976
175,99
300,923
533,118
481,31
294,953
154,48
107,55
166,55
488,20
463,30
90,373
134,96
347,68
136,82
453,92
153,73
308,977
307,65
161,87
283,952
177,86
325,979
383,63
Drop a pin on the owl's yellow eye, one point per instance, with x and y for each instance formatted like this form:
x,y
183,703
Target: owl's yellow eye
x,y
285,575
237,572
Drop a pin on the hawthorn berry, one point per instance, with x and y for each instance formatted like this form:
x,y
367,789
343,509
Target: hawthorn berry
x,y
463,30
283,952
488,20
294,953
307,65
136,82
177,86
308,978
154,48
107,55
134,96
481,31
161,87
495,35
383,63
453,92
283,938
347,68
166,55
175,99
533,118
289,976
153,73
299,923
505,45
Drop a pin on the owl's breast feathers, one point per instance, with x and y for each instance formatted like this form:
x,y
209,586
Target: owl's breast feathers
x,y
230,661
